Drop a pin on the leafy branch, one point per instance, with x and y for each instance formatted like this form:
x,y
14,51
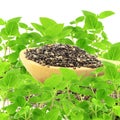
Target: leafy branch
x,y
66,95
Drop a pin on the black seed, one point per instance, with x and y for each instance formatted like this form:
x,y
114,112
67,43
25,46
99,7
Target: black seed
x,y
63,56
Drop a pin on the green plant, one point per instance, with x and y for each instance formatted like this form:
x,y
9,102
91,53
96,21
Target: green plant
x,y
67,95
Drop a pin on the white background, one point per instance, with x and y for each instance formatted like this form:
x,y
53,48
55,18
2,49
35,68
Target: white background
x,y
63,11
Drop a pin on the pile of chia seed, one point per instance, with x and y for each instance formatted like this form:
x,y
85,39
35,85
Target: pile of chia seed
x,y
62,56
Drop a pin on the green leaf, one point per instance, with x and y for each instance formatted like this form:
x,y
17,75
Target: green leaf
x,y
30,28
110,101
88,13
35,99
107,117
4,116
104,35
107,43
72,22
68,74
4,34
17,48
101,94
23,25
100,45
35,36
116,110
97,102
65,32
1,48
86,82
75,86
13,57
23,39
111,71
74,116
53,114
113,52
99,26
12,28
66,41
0,40
47,40
24,111
91,50
4,66
54,30
11,79
76,113
16,19
79,19
47,22
81,43
11,109
85,91
53,81
105,14
38,114
84,44
92,37
101,84
84,105
67,106
45,96
80,33
20,101
2,22
91,21
11,43
39,28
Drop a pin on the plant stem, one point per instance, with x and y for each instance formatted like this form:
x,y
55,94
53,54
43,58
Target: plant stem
x,y
4,101
72,37
9,50
52,104
68,93
5,50
92,90
118,97
96,111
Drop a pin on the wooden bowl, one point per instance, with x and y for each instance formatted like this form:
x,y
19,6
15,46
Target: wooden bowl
x,y
41,73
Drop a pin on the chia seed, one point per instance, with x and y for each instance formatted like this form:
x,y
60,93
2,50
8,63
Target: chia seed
x,y
62,56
